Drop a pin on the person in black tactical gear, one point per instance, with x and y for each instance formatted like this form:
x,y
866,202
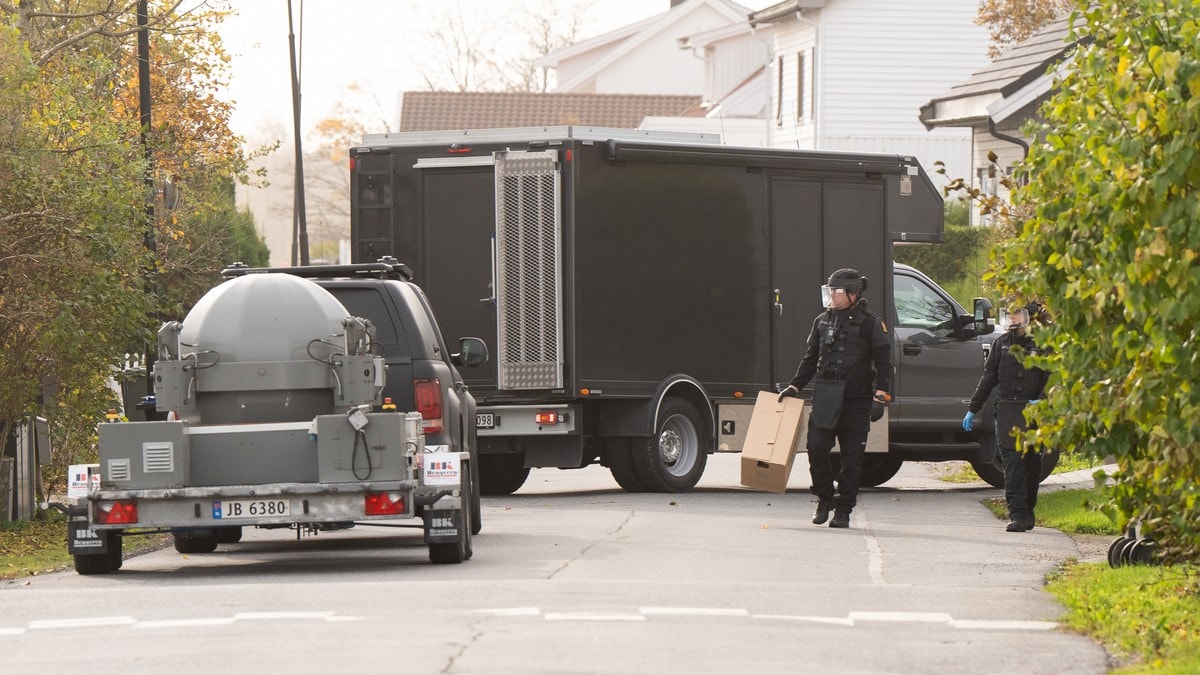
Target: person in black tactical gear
x,y
1019,386
850,355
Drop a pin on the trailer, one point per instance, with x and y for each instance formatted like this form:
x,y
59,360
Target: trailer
x,y
641,287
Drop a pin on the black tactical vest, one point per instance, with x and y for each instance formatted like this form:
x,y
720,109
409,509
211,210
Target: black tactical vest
x,y
843,347
1016,381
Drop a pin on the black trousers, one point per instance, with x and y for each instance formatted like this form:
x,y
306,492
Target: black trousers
x,y
850,435
1022,476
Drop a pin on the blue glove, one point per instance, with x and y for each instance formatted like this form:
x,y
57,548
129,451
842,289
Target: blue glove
x,y
1034,401
968,419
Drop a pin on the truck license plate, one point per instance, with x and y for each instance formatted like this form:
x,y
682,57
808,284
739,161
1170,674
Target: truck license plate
x,y
250,508
485,420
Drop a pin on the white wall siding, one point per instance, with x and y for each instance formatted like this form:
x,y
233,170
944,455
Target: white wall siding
x,y
788,129
655,65
882,59
954,151
739,57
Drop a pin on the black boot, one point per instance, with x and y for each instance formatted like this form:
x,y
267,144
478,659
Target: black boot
x,y
841,518
822,512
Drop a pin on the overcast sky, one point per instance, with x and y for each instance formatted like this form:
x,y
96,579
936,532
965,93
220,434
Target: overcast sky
x,y
374,43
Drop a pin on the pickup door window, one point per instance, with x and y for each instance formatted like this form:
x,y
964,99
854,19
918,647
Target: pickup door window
x,y
936,369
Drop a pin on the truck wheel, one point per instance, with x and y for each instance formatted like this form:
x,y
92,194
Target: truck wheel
x,y
227,535
878,468
501,474
673,459
621,464
477,507
992,472
472,474
188,541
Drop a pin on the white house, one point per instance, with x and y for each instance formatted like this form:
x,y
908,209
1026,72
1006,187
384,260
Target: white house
x,y
644,57
997,100
853,74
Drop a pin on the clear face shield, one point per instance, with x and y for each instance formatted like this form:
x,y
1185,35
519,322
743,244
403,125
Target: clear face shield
x,y
1018,320
829,294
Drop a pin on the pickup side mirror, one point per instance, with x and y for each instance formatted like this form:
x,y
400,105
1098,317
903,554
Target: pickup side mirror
x,y
983,312
472,352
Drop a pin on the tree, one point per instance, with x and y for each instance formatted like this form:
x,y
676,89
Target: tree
x,y
466,49
1011,21
75,294
1112,248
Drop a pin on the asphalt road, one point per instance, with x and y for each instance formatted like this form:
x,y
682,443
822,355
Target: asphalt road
x,y
572,575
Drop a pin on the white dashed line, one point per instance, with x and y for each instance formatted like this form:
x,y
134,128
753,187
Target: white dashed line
x,y
806,619
82,623
692,611
512,611
183,623
592,616
1004,625
277,616
852,619
901,617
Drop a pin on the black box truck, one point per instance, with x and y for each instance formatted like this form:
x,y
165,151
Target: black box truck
x,y
641,287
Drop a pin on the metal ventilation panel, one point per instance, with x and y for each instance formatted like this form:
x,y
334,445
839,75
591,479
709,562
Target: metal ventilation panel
x,y
529,270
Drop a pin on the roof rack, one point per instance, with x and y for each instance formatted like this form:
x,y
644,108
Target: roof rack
x,y
386,268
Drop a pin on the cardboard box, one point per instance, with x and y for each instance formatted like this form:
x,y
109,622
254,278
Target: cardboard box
x,y
772,441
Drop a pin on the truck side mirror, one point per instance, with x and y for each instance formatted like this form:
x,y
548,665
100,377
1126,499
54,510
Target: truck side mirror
x,y
472,352
983,312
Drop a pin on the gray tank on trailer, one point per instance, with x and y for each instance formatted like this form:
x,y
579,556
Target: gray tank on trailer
x,y
271,387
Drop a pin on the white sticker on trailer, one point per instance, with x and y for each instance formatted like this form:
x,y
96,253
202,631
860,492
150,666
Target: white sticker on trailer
x,y
441,468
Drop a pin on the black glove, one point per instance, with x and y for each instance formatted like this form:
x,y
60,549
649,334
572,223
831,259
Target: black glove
x,y
787,391
878,405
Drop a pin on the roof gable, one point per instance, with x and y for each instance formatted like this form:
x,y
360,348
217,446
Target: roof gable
x,y
623,41
1023,64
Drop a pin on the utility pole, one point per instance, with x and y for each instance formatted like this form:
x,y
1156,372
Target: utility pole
x,y
299,221
148,239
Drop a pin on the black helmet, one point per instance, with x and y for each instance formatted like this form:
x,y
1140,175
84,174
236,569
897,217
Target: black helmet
x,y
848,279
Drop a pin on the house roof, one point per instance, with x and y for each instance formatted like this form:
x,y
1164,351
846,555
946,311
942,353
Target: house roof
x,y
1023,65
443,110
622,41
783,10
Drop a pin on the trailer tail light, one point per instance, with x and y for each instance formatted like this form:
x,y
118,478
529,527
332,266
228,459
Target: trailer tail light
x,y
384,503
119,512
428,395
547,418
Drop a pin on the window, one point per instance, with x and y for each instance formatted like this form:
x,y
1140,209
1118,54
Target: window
x,y
779,91
801,64
918,306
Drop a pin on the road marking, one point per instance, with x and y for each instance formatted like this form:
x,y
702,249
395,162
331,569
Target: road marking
x,y
810,619
82,623
593,616
12,631
275,616
511,611
183,623
693,611
874,552
901,617
1004,625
